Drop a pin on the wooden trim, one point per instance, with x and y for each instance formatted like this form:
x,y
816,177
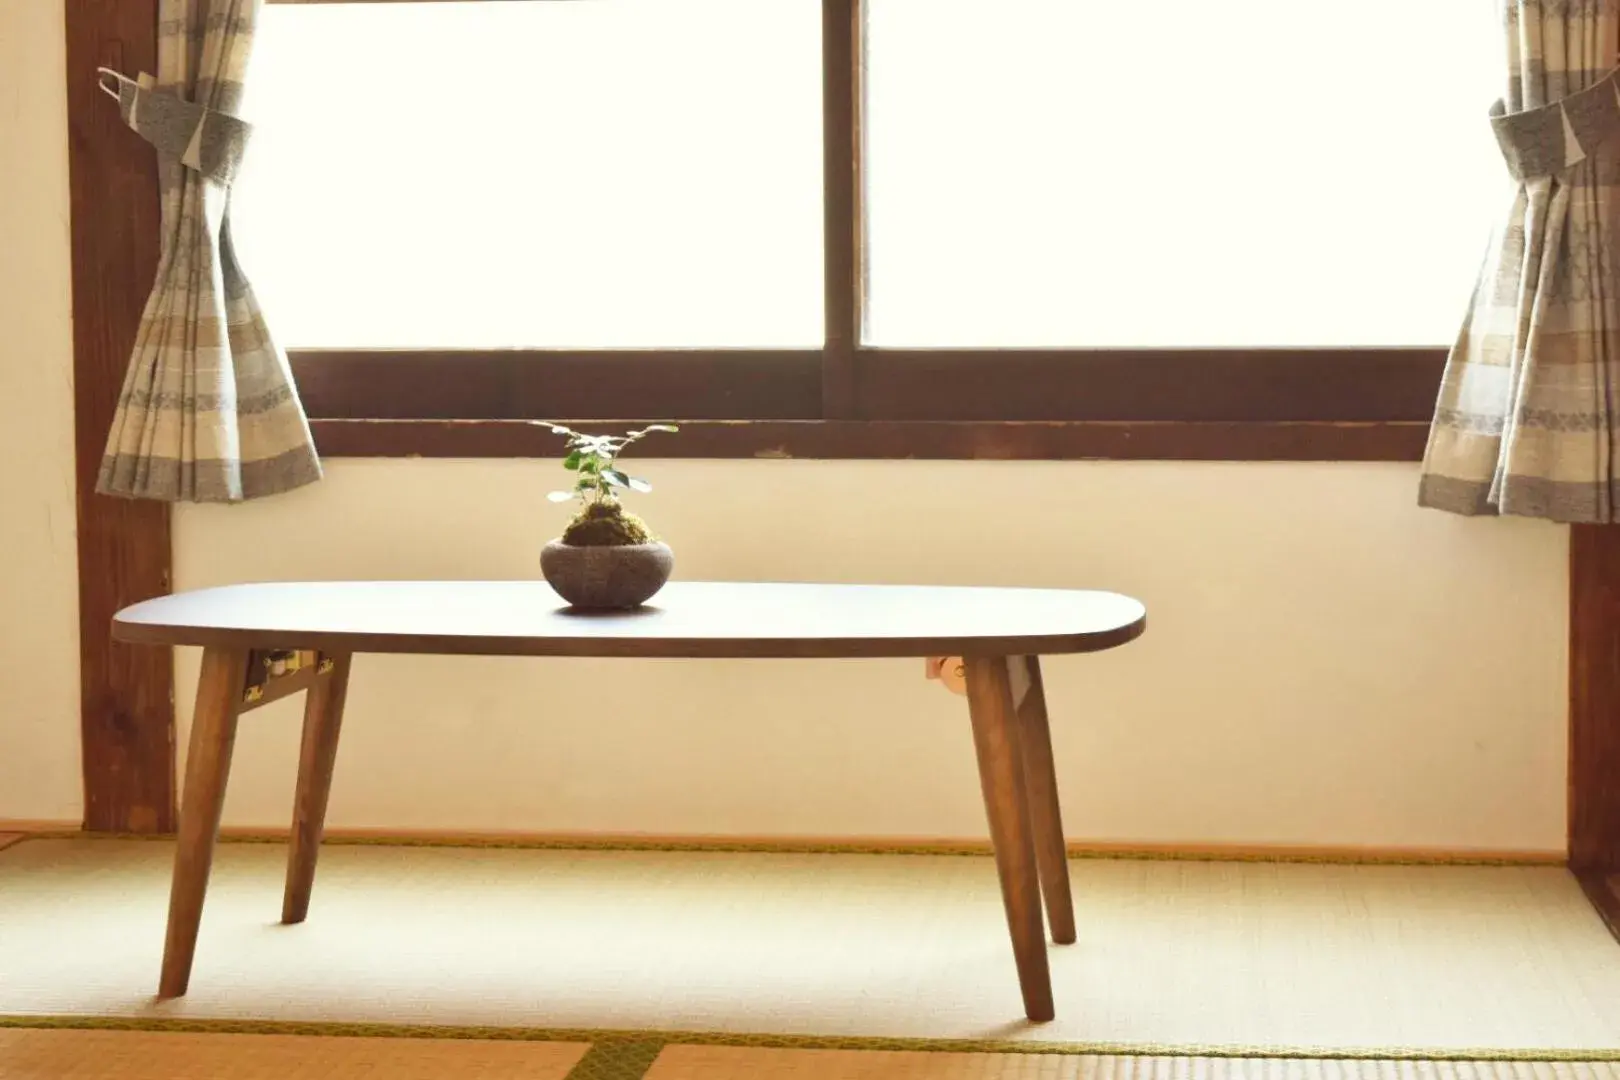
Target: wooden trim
x,y
1594,698
987,385
882,440
855,845
40,826
844,232
127,715
1079,849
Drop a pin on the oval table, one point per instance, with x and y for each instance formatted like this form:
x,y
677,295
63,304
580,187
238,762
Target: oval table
x,y
1000,633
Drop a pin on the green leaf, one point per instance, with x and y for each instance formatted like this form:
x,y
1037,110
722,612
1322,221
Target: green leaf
x,y
637,483
616,478
560,496
571,462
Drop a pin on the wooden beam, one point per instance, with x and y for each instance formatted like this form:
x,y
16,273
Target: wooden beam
x,y
884,440
981,385
844,231
126,692
1594,699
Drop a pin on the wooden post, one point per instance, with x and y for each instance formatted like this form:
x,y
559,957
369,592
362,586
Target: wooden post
x,y
126,692
1594,714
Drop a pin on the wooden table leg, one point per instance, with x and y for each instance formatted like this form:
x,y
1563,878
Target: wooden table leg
x,y
1001,774
208,765
1040,785
323,716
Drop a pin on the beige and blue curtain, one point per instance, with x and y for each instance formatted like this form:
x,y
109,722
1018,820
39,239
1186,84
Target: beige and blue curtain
x,y
1527,416
208,410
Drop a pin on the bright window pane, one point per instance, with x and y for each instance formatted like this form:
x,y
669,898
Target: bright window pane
x,y
1179,173
608,173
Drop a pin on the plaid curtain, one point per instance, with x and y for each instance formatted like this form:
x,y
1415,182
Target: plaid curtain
x,y
1526,419
208,411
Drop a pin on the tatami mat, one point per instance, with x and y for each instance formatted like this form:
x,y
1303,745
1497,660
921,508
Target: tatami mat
x,y
134,1055
1185,956
146,1055
742,1063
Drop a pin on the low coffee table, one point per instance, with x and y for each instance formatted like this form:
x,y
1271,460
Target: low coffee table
x,y
1000,633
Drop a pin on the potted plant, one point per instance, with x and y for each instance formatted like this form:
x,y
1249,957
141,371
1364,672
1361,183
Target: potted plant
x,y
606,558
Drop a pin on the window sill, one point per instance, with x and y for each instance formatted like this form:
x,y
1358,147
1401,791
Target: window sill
x,y
899,440
1202,386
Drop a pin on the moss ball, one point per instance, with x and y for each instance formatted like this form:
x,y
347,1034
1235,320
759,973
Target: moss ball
x,y
606,524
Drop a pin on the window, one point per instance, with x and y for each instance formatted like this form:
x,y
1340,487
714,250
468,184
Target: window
x,y
600,174
1181,173
884,213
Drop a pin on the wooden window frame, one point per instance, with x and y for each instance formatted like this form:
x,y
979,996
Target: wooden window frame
x,y
853,400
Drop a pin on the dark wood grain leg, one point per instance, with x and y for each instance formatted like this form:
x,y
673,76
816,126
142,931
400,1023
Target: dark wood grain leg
x,y
1046,817
208,765
323,717
1001,774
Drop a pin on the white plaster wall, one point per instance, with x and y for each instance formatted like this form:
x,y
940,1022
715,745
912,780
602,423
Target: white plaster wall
x,y
39,657
1325,664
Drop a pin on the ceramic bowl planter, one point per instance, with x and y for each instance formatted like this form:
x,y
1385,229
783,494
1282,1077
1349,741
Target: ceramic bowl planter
x,y
606,559
606,578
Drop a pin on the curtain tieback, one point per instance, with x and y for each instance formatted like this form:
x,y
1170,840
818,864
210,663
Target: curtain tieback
x,y
1547,140
205,140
